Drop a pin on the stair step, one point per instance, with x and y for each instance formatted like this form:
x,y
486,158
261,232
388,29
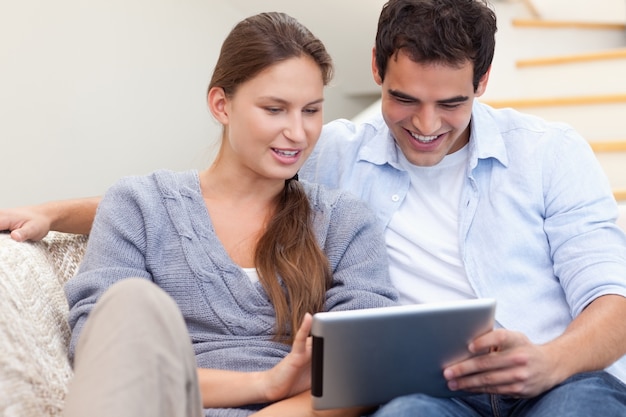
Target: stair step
x,y
594,56
558,24
588,78
614,168
594,117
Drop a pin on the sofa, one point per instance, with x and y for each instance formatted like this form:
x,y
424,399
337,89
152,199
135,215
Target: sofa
x,y
34,334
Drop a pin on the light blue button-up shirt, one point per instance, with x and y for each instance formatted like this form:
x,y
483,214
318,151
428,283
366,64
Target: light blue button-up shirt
x,y
536,220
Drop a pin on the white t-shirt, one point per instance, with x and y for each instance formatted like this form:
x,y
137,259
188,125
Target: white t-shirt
x,y
425,262
252,273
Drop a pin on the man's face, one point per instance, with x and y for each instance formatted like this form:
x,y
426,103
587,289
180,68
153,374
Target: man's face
x,y
428,107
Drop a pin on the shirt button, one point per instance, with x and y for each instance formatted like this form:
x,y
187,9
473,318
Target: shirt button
x,y
395,198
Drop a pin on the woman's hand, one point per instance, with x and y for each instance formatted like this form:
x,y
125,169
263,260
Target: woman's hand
x,y
292,375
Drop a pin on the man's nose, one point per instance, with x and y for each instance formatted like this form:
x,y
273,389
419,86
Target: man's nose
x,y
426,120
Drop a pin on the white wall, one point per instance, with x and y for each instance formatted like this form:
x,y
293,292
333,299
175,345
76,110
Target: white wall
x,y
600,11
94,90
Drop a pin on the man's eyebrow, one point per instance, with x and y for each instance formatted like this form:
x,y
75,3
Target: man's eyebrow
x,y
407,97
401,95
452,100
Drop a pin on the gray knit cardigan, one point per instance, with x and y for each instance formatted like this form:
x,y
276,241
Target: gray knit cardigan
x,y
157,227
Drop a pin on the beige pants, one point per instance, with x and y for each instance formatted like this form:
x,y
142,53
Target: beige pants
x,y
134,358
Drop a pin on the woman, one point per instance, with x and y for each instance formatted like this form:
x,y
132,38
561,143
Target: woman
x,y
243,250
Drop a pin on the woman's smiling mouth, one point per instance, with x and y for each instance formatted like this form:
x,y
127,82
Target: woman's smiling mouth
x,y
285,153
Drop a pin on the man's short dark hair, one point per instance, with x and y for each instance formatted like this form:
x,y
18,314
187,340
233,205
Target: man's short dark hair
x,y
450,32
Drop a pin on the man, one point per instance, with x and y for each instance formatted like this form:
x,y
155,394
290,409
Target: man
x,y
476,202
479,202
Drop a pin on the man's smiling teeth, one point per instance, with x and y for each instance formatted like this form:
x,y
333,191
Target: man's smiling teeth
x,y
423,139
286,153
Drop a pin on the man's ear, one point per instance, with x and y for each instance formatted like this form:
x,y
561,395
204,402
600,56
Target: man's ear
x,y
218,104
377,78
482,83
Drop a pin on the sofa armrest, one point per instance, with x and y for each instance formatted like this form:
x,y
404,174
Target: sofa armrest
x,y
34,334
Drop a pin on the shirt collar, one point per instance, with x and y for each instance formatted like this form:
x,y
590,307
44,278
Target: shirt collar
x,y
379,148
485,140
485,137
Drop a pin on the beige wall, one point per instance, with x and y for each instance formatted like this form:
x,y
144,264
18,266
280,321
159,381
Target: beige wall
x,y
94,90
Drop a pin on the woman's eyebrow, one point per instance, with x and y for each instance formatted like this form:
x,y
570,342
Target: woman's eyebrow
x,y
283,101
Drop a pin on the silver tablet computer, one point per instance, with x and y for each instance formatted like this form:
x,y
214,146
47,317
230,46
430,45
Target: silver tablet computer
x,y
367,357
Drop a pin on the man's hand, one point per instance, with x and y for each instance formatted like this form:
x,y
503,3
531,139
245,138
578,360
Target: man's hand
x,y
25,223
34,222
506,363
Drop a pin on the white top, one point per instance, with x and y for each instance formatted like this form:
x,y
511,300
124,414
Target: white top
x,y
434,240
252,274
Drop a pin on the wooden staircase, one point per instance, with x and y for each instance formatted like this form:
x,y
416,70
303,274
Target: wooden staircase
x,y
585,88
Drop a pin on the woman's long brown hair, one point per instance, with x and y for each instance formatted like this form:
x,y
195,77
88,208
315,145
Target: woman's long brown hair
x,y
292,268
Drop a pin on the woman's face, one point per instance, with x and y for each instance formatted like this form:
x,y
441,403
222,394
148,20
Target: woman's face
x,y
274,120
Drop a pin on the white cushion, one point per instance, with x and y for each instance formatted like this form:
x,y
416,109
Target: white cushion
x,y
34,334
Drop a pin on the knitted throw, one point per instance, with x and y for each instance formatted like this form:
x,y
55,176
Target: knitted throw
x,y
34,334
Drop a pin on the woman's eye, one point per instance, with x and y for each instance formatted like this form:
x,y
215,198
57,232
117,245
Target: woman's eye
x,y
273,110
311,110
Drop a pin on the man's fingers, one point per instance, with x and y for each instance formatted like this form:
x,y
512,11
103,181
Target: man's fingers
x,y
17,235
28,231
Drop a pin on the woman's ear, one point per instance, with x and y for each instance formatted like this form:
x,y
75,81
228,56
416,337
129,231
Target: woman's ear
x,y
217,102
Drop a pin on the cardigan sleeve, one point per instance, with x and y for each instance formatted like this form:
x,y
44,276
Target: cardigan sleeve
x,y
115,251
356,251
